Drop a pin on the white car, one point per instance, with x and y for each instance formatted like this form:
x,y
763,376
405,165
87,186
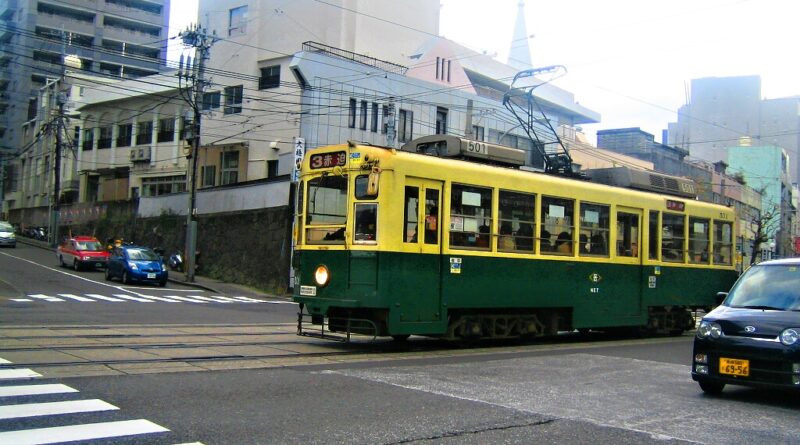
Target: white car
x,y
7,235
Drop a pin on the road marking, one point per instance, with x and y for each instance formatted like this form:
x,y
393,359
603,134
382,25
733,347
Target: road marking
x,y
103,297
249,300
51,408
77,298
9,374
215,299
130,297
21,299
191,299
45,297
80,432
34,390
168,298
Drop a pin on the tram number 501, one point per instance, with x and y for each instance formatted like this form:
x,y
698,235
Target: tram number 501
x,y
477,147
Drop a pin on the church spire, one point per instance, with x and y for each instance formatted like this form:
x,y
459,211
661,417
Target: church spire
x,y
519,56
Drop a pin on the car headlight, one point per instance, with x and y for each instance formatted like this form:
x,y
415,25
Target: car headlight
x,y
321,275
132,265
163,267
709,329
789,336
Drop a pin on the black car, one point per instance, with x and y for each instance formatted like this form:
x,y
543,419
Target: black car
x,y
753,337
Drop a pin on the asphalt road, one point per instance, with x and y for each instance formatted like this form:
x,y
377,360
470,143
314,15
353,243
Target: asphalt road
x,y
578,390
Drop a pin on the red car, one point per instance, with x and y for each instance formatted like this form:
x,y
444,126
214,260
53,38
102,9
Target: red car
x,y
80,251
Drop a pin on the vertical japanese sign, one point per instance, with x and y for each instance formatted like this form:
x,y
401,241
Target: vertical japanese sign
x,y
299,153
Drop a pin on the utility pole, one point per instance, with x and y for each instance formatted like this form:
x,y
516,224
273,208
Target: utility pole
x,y
59,125
197,38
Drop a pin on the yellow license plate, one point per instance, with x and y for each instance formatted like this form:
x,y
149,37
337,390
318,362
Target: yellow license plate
x,y
734,366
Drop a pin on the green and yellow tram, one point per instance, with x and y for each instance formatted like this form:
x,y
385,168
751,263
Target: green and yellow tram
x,y
396,243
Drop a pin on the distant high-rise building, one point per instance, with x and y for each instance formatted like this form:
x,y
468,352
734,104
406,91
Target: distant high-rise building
x,y
519,56
116,38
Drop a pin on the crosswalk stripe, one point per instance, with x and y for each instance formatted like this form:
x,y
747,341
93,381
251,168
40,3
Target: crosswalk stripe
x,y
77,298
226,299
85,432
21,299
187,299
214,299
51,408
168,298
45,297
11,374
131,297
103,297
34,390
248,299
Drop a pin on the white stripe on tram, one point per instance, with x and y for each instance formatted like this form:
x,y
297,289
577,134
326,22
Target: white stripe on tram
x,y
77,298
85,432
9,374
52,408
34,390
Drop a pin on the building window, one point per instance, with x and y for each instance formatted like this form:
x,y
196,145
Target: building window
x,y
270,77
441,120
166,130
385,126
272,169
233,99
237,21
88,139
211,100
374,123
363,125
208,175
404,133
477,132
104,137
438,59
163,185
351,122
145,134
124,133
230,167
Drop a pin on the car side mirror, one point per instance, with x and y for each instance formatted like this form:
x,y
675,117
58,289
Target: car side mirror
x,y
721,296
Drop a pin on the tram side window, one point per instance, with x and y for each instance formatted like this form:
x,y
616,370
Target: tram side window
x,y
366,223
653,245
627,235
558,216
410,223
431,216
363,189
517,222
723,243
470,217
672,237
593,237
698,240
326,210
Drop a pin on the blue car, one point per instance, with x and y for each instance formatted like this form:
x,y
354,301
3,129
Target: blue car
x,y
136,263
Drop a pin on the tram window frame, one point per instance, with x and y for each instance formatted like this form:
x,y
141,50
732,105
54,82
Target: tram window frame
x,y
721,244
654,235
365,223
516,221
671,254
470,223
699,255
597,234
331,229
627,243
361,188
410,227
550,224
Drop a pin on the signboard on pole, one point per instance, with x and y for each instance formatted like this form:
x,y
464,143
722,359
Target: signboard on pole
x,y
299,154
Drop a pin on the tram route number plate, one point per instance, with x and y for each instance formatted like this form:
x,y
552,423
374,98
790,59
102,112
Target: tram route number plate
x,y
310,291
734,366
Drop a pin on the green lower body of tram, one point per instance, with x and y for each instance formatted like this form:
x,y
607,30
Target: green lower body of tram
x,y
394,294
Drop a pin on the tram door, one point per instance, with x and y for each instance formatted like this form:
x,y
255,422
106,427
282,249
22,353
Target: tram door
x,y
423,237
629,252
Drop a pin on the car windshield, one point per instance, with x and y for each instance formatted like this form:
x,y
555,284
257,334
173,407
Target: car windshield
x,y
6,227
142,255
88,245
767,287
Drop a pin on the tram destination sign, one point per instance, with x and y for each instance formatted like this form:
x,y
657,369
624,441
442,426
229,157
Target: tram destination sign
x,y
328,160
679,206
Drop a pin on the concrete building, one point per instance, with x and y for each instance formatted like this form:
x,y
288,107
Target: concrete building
x,y
723,109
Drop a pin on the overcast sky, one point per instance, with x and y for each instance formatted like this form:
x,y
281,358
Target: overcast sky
x,y
632,60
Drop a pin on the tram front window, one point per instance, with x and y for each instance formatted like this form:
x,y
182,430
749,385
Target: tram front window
x,y
326,210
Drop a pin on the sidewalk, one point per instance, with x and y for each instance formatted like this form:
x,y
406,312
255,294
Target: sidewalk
x,y
200,282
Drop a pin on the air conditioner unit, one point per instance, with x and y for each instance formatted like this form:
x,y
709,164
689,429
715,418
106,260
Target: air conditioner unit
x,y
140,154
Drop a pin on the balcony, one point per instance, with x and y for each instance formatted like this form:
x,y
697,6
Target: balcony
x,y
135,10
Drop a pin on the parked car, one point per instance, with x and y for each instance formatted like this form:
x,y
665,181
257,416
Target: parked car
x,y
82,251
136,263
753,337
7,235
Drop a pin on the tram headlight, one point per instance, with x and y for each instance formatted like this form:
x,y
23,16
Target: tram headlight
x,y
790,336
321,275
709,329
